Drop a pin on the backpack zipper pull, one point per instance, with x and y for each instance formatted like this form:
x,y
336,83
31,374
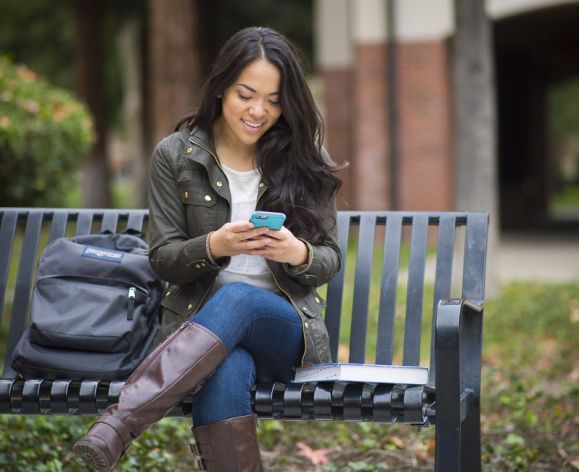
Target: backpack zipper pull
x,y
131,307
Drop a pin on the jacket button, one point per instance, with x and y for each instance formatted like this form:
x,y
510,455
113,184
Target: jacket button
x,y
186,195
207,198
219,183
189,307
198,266
167,294
305,308
189,150
317,300
261,184
306,325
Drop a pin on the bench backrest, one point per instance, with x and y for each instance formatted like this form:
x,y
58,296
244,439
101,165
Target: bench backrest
x,y
375,305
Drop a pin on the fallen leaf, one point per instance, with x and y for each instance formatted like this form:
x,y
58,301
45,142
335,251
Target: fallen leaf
x,y
421,453
397,442
431,447
315,456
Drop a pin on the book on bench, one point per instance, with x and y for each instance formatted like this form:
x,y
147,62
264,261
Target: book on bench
x,y
367,373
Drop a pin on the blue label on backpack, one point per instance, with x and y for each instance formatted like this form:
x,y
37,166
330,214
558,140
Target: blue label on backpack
x,y
103,254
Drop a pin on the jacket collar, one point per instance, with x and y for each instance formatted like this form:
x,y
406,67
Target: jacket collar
x,y
208,159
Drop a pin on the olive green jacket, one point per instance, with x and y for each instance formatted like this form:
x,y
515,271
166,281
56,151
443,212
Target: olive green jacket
x,y
188,198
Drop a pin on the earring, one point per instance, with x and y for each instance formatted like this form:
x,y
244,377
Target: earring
x,y
219,97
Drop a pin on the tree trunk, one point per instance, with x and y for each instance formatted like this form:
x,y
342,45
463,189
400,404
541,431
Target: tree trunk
x,y
475,119
89,84
135,149
173,69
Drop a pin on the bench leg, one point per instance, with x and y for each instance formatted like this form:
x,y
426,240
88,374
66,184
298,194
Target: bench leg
x,y
470,458
448,450
458,447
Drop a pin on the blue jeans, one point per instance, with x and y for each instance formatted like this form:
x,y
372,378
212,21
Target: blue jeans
x,y
263,336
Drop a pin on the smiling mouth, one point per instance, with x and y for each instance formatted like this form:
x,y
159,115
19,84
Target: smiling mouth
x,y
252,124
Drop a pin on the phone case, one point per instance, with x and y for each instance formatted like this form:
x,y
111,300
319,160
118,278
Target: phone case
x,y
271,219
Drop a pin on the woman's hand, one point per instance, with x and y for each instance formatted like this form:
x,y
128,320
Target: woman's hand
x,y
237,237
282,246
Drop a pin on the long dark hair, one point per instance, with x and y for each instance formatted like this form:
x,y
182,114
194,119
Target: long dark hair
x,y
300,176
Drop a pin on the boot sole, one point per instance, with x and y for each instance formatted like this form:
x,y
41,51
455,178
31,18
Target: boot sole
x,y
92,456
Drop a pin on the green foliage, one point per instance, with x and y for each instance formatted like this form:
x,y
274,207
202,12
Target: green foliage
x,y
41,35
44,134
44,444
564,104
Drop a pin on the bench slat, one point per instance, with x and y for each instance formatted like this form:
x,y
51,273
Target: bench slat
x,y
473,282
58,227
26,267
83,223
362,283
442,276
136,221
336,288
110,222
389,282
7,233
414,291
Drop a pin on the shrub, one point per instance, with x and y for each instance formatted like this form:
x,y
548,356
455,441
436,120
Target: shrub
x,y
44,135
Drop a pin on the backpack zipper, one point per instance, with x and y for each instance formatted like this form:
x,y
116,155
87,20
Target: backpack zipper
x,y
131,306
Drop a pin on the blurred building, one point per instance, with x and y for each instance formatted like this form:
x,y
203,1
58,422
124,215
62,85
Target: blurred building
x,y
386,70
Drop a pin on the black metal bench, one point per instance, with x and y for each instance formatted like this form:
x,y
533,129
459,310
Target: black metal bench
x,y
373,240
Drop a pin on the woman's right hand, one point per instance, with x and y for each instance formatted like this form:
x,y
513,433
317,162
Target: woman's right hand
x,y
237,237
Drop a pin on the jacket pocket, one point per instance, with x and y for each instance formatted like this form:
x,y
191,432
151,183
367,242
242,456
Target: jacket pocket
x,y
192,193
199,201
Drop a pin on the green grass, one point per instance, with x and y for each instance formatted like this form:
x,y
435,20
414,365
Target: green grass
x,y
566,200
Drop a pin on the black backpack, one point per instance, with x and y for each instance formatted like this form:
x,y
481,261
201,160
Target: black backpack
x,y
94,311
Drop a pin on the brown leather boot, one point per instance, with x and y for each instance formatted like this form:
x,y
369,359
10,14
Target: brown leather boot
x,y
228,446
172,371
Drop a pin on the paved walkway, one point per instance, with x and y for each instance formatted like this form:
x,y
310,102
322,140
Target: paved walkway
x,y
542,257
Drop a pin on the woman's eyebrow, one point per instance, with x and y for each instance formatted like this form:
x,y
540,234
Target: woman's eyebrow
x,y
253,90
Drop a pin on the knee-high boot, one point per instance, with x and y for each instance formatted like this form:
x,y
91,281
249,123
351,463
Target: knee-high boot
x,y
228,446
172,371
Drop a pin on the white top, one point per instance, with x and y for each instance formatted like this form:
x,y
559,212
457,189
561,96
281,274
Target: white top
x,y
244,188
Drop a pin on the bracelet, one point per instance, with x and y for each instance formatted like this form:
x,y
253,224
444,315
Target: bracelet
x,y
209,256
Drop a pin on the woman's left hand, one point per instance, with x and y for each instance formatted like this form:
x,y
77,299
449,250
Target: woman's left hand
x,y
282,246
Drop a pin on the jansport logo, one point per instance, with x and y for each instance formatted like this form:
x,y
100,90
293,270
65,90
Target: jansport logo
x,y
103,254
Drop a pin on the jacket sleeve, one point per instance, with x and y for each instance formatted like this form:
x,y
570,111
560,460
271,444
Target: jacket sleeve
x,y
175,256
324,259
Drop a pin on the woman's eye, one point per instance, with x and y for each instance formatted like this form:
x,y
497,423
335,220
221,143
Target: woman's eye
x,y
243,97
273,102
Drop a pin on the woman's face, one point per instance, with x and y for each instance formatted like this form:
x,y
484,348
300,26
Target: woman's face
x,y
251,105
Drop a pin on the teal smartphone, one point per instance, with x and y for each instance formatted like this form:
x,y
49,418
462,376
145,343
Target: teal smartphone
x,y
271,219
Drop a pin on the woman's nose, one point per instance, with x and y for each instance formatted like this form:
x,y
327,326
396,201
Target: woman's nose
x,y
257,111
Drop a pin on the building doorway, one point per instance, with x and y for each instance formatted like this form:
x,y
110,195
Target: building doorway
x,y
537,66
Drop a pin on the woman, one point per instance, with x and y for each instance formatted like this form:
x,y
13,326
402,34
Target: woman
x,y
242,302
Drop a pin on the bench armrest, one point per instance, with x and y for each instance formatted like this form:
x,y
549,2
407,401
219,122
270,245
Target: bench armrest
x,y
458,353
